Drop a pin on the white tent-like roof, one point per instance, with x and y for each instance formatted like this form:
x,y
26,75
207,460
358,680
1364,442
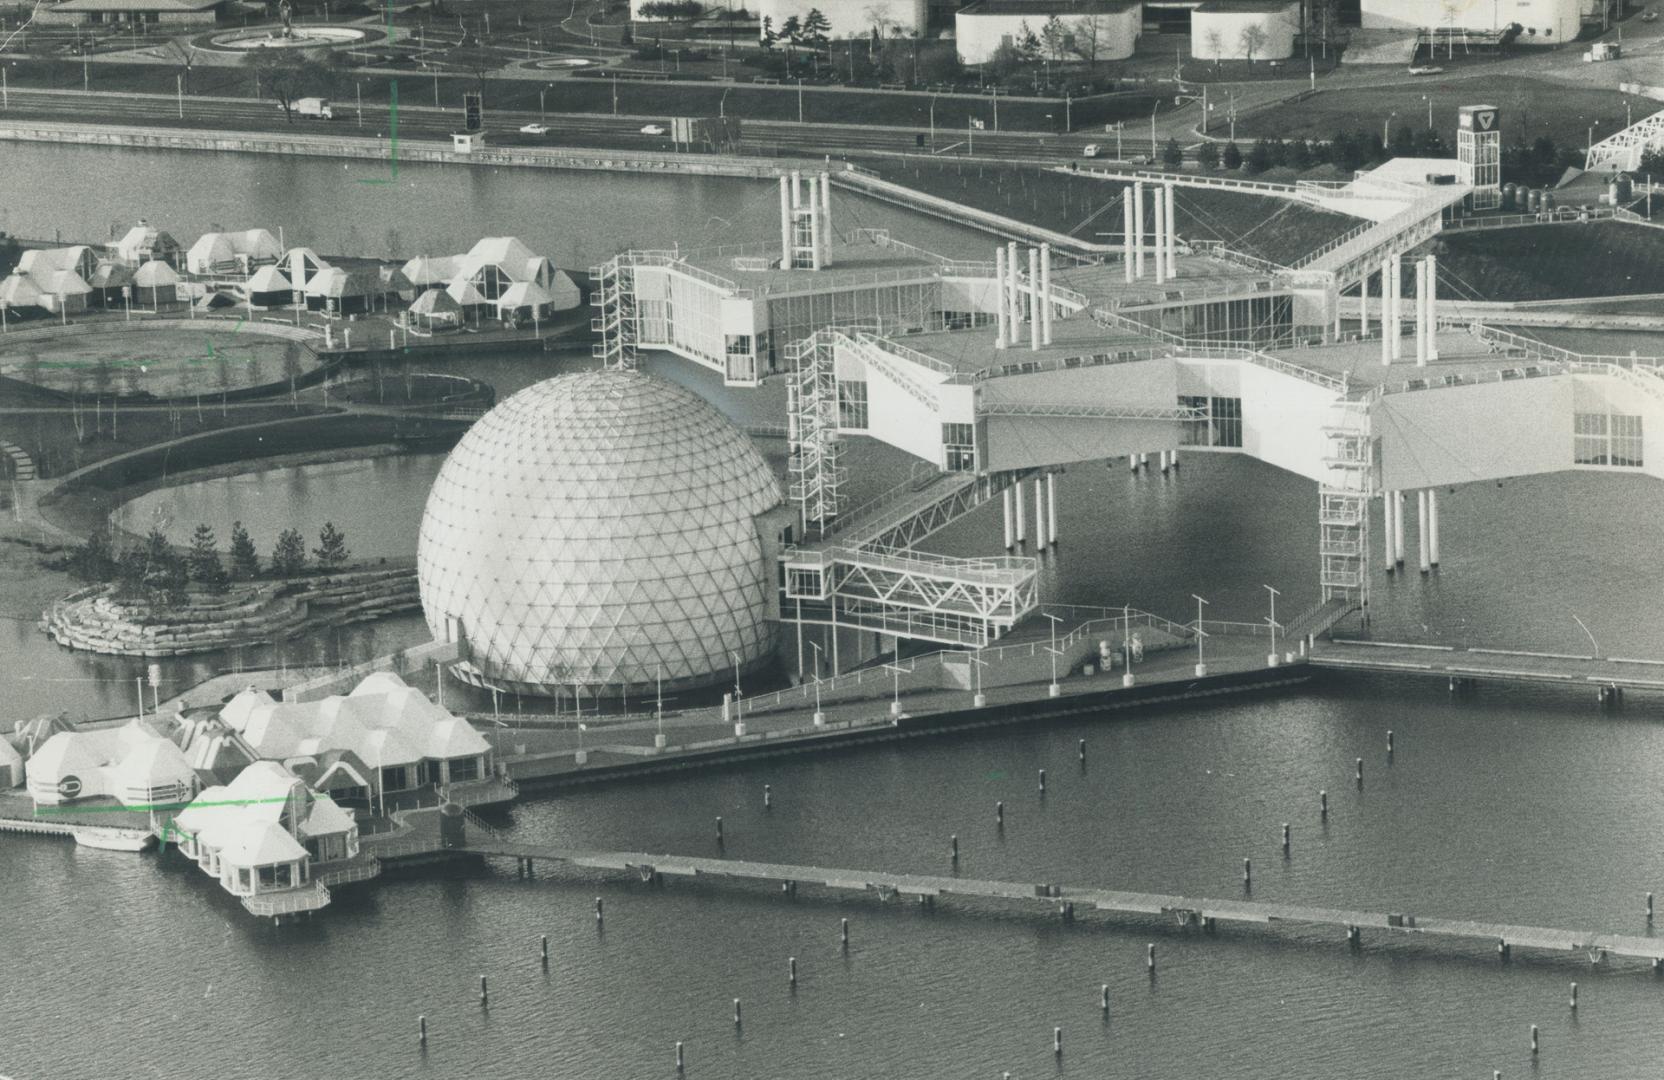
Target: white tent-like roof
x,y
150,770
428,270
38,262
506,253
256,843
523,294
141,242
565,291
236,711
62,283
435,304
326,818
111,276
209,251
268,279
10,760
155,274
18,291
464,293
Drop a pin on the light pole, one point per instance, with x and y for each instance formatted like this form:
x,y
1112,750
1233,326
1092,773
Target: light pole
x,y
1153,109
820,717
722,103
1053,690
179,93
1201,666
978,698
932,123
1386,125
1126,644
1271,661
800,99
895,702
658,739
1592,128
1429,99
358,92
735,657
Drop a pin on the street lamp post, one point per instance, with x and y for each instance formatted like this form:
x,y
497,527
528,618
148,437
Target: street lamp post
x,y
820,717
1429,99
722,103
800,99
895,702
658,710
1126,645
1201,665
358,92
978,698
1053,690
932,123
179,93
735,657
1271,660
1386,126
1153,109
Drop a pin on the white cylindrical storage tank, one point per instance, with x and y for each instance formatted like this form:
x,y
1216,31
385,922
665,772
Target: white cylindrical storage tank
x,y
1110,28
1244,29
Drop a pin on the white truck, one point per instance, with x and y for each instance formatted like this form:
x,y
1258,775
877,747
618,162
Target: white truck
x,y
314,107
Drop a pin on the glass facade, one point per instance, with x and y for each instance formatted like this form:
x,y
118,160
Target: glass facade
x,y
852,403
1607,439
1221,427
1258,320
959,447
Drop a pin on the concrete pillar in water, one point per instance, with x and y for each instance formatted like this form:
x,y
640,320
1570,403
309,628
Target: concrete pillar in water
x,y
1002,331
1422,527
1433,525
1051,506
1398,527
1126,234
1138,228
1039,514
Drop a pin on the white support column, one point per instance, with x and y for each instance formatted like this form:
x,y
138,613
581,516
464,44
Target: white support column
x,y
1421,313
1017,499
1387,554
1163,461
1127,227
1398,305
785,222
1011,295
1335,294
1433,526
1034,316
1039,515
1046,294
1173,457
1001,313
1432,308
1006,500
816,243
1138,227
1172,236
1397,527
1132,463
1158,210
1363,305
797,189
1386,311
1051,509
1422,535
825,220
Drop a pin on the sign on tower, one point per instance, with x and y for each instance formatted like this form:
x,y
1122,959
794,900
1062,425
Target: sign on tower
x,y
1479,153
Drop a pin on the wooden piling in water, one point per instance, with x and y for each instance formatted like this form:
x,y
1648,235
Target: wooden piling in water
x,y
422,1030
485,996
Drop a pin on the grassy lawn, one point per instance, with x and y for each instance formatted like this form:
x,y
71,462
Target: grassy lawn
x,y
1556,261
1091,209
133,359
1530,109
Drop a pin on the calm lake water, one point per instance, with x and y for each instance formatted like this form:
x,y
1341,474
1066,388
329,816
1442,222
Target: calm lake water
x,y
1509,806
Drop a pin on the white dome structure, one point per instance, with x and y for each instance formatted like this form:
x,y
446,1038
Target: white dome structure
x,y
600,529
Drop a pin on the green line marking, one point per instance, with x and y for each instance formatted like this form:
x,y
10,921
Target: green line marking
x,y
996,774
47,811
392,112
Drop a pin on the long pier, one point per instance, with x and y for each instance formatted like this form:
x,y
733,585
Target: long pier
x,y
1063,899
1465,665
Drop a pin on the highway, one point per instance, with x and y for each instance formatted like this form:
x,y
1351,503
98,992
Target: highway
x,y
761,137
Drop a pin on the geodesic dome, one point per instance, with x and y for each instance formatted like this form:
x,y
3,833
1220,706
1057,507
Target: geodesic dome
x,y
600,529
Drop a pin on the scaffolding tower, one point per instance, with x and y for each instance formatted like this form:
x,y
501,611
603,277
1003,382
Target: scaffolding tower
x,y
816,478
1343,506
614,295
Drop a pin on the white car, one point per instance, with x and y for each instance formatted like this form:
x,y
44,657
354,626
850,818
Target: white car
x,y
652,129
1092,150
535,129
1427,71
1649,16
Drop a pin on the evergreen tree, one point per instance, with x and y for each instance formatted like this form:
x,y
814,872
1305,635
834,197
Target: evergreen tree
x,y
769,36
331,551
95,559
204,559
816,27
1172,155
1232,157
1258,159
289,554
1207,156
245,561
1300,154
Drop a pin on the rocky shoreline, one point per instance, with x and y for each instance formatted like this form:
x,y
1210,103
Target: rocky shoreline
x,y
93,620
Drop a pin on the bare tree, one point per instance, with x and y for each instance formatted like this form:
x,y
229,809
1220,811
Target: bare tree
x,y
1251,39
1056,37
1089,40
1216,45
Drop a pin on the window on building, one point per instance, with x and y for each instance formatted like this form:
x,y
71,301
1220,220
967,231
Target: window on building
x,y
395,778
852,403
465,768
1626,441
1589,439
1227,421
959,447
1193,432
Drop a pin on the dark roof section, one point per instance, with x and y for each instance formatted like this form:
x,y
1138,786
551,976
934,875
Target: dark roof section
x,y
1044,9
138,5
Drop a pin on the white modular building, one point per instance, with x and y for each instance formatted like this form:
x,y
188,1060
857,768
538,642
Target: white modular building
x,y
601,529
132,764
1244,29
1099,29
1541,22
233,252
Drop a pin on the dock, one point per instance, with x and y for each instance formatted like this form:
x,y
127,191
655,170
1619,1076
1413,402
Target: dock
x,y
1054,899
1463,666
